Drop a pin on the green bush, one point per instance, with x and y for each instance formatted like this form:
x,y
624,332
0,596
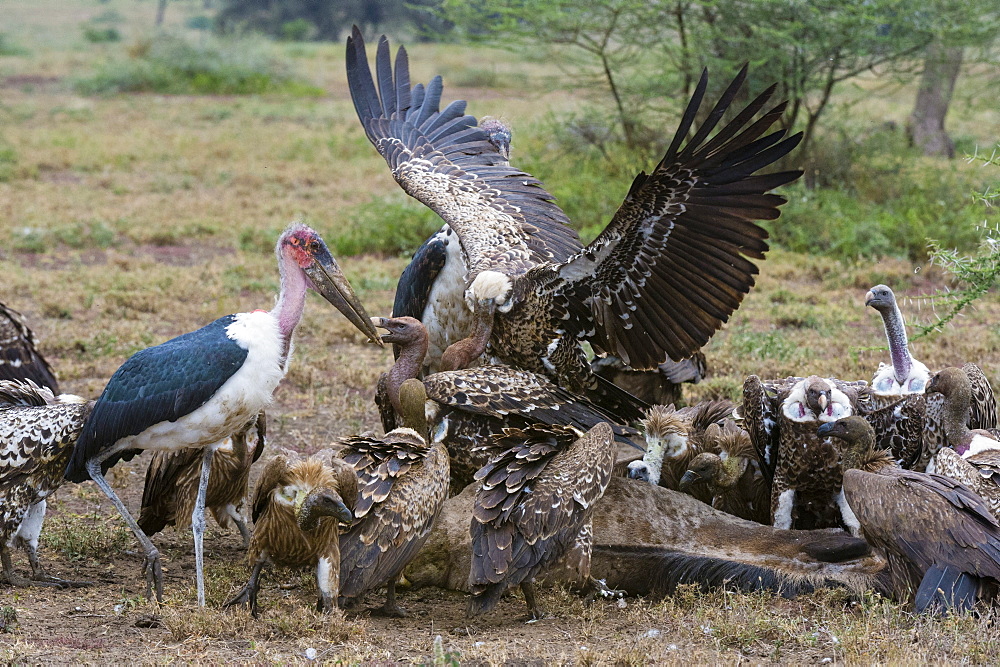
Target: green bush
x,y
8,161
8,48
392,225
296,31
200,22
168,64
98,35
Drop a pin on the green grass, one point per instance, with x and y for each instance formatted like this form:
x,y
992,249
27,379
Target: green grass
x,y
172,65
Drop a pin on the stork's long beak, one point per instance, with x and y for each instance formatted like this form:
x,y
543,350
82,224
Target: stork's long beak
x,y
330,282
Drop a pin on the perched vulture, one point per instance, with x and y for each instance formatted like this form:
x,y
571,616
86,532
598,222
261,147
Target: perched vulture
x,y
168,496
669,269
980,472
733,477
781,419
466,408
673,439
37,434
941,541
905,375
534,504
19,360
298,505
403,482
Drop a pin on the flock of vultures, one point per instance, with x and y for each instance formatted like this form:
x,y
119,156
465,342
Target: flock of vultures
x,y
511,455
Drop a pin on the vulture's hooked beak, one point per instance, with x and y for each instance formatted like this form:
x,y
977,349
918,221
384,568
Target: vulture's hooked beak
x,y
320,503
383,323
330,282
638,470
869,297
688,479
826,429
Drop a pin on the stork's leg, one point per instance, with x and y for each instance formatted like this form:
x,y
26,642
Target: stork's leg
x,y
151,567
248,594
241,523
198,524
528,588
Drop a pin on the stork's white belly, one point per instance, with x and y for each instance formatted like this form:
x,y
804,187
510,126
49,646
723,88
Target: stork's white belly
x,y
238,400
447,317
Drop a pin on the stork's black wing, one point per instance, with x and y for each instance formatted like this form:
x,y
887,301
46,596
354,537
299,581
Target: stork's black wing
x,y
503,216
19,360
675,261
158,384
414,286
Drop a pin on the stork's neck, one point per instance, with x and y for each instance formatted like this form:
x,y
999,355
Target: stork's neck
x,y
408,364
291,299
895,333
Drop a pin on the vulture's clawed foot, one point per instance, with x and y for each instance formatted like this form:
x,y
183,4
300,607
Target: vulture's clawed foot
x,y
42,579
153,571
326,603
389,611
596,588
18,581
246,597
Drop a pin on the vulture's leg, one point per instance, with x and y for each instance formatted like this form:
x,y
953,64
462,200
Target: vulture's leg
x,y
783,511
248,594
12,577
328,582
198,523
151,567
528,588
241,523
27,539
596,588
391,608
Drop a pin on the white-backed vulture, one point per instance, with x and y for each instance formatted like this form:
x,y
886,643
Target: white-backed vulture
x,y
904,375
940,539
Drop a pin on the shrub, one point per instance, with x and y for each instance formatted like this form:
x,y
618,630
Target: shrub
x,y
168,64
98,35
8,48
297,30
392,225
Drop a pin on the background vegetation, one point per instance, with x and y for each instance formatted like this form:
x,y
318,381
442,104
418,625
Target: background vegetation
x,y
145,172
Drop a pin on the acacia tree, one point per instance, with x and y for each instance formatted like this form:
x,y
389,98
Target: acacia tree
x,y
807,47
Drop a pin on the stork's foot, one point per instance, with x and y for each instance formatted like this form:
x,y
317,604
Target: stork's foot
x,y
247,597
596,588
153,571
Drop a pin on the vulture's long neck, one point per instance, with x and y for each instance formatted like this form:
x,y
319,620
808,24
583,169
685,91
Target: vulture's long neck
x,y
895,333
955,418
407,366
732,469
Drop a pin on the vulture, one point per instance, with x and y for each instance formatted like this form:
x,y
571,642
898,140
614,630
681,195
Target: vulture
x,y
19,360
980,472
37,434
905,375
733,477
804,467
298,506
403,482
196,390
660,386
940,539
533,505
467,407
648,539
670,268
673,438
171,486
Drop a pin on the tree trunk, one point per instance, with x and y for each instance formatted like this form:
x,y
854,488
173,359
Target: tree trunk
x,y
926,126
161,9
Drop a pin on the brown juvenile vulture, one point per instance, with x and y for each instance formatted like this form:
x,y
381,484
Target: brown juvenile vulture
x,y
940,539
37,434
534,504
673,439
298,505
733,477
403,482
171,487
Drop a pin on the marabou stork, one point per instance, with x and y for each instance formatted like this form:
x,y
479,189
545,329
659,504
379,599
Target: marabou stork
x,y
667,272
196,390
19,360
